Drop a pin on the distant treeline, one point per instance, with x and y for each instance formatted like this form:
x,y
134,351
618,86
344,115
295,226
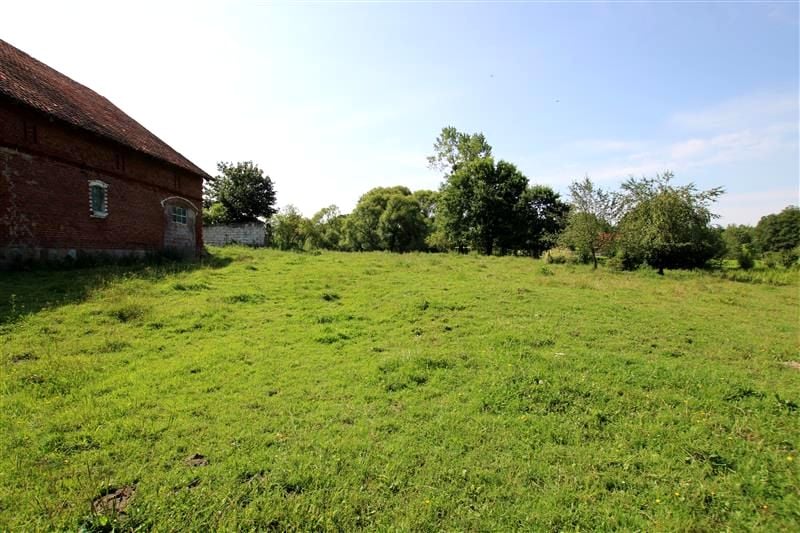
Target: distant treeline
x,y
489,207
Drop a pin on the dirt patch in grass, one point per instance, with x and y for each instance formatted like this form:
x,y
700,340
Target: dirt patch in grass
x,y
193,483
197,460
114,501
25,356
792,364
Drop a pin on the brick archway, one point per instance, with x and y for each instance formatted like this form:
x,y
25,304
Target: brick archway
x,y
180,225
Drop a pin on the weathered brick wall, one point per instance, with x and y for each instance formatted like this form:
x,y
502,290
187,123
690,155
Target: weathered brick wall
x,y
251,234
45,168
179,237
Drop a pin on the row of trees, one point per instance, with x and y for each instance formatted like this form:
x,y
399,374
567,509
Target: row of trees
x,y
775,239
648,221
489,206
483,205
386,218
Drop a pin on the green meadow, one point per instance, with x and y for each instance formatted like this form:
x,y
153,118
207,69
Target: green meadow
x,y
266,390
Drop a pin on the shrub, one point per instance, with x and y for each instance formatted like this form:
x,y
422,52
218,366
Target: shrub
x,y
745,258
561,256
772,259
624,260
791,258
215,214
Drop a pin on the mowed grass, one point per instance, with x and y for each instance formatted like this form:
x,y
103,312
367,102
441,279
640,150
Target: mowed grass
x,y
426,392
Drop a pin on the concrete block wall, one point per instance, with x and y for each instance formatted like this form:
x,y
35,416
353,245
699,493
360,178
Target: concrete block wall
x,y
251,234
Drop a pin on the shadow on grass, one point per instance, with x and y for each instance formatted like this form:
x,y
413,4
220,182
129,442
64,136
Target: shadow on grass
x,y
24,292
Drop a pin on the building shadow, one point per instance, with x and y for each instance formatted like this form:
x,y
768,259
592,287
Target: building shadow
x,y
28,290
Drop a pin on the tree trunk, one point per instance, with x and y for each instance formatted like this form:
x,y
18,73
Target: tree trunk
x,y
594,258
660,271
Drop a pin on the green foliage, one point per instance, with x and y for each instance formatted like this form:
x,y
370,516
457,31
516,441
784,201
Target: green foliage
x,y
478,204
415,392
486,206
668,226
561,256
243,190
540,218
454,148
215,214
737,236
780,231
745,258
386,218
326,230
791,258
289,229
592,214
402,226
427,201
772,259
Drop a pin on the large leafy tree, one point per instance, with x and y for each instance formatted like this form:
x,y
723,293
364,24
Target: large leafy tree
x,y
428,202
593,212
478,204
325,229
454,148
780,231
244,192
386,218
738,238
668,226
289,229
402,226
541,217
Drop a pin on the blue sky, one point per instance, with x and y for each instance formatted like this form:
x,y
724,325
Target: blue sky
x,y
334,99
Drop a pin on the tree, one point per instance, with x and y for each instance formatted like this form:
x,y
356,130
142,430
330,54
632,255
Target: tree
x,y
243,190
477,204
386,218
779,232
402,226
541,217
325,229
737,238
668,226
593,212
289,229
454,148
428,202
215,214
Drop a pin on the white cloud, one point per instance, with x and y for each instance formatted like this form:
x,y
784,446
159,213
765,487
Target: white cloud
x,y
748,208
756,110
755,130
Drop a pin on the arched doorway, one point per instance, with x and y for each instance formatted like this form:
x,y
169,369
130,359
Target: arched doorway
x,y
180,220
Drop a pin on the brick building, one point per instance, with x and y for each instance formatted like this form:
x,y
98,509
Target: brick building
x,y
77,175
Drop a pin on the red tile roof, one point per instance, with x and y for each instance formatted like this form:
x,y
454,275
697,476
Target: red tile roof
x,y
31,82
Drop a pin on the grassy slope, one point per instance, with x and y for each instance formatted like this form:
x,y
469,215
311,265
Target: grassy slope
x,y
420,391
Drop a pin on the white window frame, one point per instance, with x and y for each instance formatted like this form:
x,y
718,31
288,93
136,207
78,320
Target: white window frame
x,y
104,212
179,217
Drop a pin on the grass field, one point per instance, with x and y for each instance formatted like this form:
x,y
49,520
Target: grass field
x,y
425,392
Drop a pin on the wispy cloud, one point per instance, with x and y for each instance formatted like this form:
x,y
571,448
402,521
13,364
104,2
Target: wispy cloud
x,y
755,110
749,207
744,129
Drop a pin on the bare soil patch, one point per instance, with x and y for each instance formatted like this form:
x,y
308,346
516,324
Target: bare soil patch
x,y
197,460
114,501
25,356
